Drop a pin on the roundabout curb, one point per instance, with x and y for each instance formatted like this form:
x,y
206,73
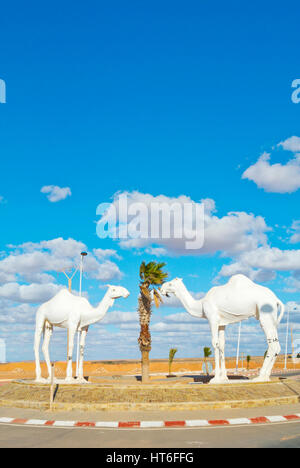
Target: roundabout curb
x,y
150,424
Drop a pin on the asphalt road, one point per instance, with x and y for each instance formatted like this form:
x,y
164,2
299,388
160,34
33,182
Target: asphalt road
x,y
285,435
281,435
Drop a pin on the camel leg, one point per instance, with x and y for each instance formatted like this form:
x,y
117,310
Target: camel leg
x,y
216,346
71,335
37,341
222,354
82,346
48,333
269,326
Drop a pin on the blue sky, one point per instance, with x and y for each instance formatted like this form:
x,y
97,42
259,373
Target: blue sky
x,y
162,99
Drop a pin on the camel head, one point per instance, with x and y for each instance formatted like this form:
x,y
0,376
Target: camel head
x,y
117,291
170,287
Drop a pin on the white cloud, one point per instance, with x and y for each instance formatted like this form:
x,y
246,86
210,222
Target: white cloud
x,y
271,258
34,262
117,317
16,314
103,253
180,327
262,265
295,237
182,317
291,144
275,178
33,293
238,267
232,233
157,251
55,193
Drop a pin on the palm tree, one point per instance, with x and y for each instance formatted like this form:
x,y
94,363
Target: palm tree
x,y
248,361
207,353
151,276
172,353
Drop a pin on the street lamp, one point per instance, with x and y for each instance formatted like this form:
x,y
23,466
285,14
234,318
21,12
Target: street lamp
x,y
83,255
286,339
238,349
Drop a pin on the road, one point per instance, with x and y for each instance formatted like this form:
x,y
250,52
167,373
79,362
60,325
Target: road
x,y
284,435
276,435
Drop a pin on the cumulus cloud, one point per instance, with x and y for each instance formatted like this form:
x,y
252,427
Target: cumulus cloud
x,y
277,178
16,314
271,258
117,317
55,193
229,234
157,251
33,293
295,237
291,144
259,275
182,317
34,262
104,253
263,264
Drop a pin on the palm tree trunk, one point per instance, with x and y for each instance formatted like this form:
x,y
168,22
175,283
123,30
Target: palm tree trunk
x,y
145,367
145,336
206,366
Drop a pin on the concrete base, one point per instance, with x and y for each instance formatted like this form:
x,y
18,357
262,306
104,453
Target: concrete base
x,y
55,381
165,395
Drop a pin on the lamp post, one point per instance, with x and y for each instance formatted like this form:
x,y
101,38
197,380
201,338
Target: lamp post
x,y
70,279
83,254
286,339
238,349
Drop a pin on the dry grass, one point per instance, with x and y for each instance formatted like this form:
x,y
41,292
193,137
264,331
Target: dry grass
x,y
102,394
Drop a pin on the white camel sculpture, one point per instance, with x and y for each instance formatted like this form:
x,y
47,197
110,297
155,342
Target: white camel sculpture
x,y
237,300
74,313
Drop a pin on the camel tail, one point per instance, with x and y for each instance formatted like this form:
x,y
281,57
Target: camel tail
x,y
282,310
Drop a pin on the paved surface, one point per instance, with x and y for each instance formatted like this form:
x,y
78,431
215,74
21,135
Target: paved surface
x,y
149,424
270,436
285,434
148,415
263,435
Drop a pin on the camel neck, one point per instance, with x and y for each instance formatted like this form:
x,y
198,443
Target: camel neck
x,y
193,306
96,314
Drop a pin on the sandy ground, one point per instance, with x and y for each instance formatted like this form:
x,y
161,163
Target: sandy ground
x,y
26,370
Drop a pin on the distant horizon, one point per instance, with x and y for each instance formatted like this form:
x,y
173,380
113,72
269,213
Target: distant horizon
x,y
139,360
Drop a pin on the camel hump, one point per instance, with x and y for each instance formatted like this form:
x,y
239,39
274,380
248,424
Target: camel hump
x,y
240,279
64,293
